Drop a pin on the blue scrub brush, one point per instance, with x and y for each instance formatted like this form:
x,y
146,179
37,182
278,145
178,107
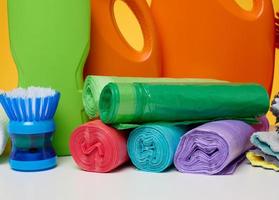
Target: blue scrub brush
x,y
31,127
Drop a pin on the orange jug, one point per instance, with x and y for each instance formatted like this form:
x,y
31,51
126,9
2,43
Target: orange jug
x,y
110,53
8,71
216,39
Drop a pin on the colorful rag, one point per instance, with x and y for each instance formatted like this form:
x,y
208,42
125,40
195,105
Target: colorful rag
x,y
94,85
130,103
215,148
260,161
151,147
268,142
268,158
96,147
3,130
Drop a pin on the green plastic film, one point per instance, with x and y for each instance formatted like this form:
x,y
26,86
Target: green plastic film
x,y
135,103
94,85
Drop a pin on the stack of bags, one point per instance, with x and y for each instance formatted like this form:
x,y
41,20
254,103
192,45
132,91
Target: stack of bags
x,y
266,153
200,126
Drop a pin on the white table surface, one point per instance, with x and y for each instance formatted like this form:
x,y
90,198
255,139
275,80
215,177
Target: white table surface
x,y
68,182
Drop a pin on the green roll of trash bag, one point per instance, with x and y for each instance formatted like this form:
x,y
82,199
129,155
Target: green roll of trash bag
x,y
49,43
138,103
94,85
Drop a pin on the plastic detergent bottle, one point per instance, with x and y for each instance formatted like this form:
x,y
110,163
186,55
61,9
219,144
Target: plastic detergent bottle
x,y
216,39
49,43
110,53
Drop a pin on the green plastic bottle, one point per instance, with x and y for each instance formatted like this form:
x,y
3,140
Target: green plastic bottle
x,y
49,43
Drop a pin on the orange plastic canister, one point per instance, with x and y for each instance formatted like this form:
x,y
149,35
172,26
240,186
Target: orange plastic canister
x,y
110,53
216,39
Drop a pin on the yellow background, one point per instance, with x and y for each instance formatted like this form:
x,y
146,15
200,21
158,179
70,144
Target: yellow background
x,y
129,27
8,72
275,88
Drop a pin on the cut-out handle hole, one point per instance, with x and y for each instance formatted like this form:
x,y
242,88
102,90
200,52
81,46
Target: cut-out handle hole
x,y
128,25
246,5
245,9
149,2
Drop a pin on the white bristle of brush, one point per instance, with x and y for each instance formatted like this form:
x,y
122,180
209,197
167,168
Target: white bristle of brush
x,y
31,104
31,92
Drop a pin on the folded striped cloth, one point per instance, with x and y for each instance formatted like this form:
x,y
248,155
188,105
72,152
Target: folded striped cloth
x,y
267,158
268,142
258,159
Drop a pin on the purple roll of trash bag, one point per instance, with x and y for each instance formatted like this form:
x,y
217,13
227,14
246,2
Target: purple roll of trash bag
x,y
216,148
